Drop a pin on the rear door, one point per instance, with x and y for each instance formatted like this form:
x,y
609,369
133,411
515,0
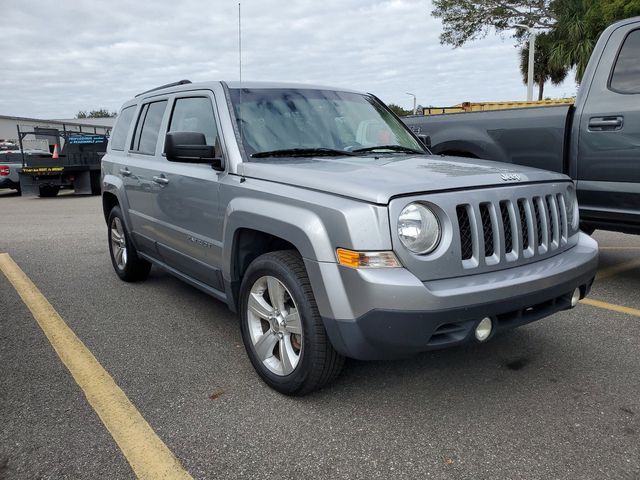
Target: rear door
x,y
140,170
188,212
609,143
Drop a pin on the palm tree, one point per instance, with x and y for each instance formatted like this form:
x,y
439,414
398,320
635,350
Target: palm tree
x,y
575,35
544,69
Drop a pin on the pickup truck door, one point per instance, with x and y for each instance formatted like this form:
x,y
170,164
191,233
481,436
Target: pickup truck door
x,y
187,205
608,167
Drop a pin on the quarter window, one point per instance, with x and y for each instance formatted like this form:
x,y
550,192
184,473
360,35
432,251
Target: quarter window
x,y
626,72
148,127
119,135
195,114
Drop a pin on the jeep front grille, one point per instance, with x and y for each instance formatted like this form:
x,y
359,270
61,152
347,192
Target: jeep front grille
x,y
505,231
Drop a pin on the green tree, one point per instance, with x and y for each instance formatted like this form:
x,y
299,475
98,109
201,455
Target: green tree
x,y
466,20
398,110
101,113
544,69
573,26
580,23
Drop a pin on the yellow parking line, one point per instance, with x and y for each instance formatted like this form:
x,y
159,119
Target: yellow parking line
x,y
611,306
614,270
148,456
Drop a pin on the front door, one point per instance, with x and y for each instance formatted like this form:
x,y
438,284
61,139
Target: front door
x,y
609,143
187,207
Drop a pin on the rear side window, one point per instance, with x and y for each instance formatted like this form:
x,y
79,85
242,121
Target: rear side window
x,y
626,73
119,135
148,127
194,114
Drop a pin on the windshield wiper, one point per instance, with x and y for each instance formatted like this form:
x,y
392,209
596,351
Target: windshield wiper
x,y
302,152
395,148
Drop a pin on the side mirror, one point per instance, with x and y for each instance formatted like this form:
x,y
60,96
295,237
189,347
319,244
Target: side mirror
x,y
426,140
190,147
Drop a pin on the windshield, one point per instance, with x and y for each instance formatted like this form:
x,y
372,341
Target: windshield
x,y
302,119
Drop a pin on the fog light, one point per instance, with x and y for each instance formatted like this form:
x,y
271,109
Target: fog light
x,y
575,298
483,330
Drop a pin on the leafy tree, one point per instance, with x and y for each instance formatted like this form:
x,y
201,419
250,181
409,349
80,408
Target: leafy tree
x,y
544,69
101,113
465,20
580,23
398,110
573,26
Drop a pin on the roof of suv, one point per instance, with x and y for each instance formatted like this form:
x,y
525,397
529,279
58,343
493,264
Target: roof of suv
x,y
237,84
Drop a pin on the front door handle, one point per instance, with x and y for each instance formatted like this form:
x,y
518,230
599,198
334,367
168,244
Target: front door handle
x,y
605,123
125,172
161,180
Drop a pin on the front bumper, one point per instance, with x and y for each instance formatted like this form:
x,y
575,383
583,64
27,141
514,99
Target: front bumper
x,y
389,313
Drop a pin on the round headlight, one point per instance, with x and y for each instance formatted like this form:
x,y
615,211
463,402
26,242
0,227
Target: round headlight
x,y
418,228
573,216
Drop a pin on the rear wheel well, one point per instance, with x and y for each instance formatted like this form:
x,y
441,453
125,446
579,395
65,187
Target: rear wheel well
x,y
109,200
248,245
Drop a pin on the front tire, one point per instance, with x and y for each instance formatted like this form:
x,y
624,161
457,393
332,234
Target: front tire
x,y
281,328
124,256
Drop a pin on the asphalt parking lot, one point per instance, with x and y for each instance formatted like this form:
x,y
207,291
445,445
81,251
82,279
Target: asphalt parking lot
x,y
558,399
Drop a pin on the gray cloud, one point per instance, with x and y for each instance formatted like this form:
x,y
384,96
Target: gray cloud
x,y
63,56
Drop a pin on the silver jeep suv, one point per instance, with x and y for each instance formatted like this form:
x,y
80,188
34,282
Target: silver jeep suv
x,y
329,226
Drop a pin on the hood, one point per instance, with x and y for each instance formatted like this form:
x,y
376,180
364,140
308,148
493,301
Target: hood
x,y
378,179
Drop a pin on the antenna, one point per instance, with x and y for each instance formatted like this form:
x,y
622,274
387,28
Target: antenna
x,y
239,113
239,42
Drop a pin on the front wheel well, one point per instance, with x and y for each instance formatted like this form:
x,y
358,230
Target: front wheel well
x,y
248,245
109,200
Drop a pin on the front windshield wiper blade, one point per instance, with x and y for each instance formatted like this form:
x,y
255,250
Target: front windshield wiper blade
x,y
302,152
395,148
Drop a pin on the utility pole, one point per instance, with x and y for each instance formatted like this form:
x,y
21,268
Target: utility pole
x,y
414,102
532,50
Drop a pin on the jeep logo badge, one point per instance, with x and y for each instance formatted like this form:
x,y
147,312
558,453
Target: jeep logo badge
x,y
510,177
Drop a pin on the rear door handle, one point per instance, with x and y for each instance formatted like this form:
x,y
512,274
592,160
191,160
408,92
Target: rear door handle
x,y
161,180
606,123
125,172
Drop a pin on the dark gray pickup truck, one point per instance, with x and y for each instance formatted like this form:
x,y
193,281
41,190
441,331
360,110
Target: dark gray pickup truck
x,y
596,141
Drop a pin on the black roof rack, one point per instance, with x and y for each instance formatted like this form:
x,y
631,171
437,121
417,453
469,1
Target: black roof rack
x,y
181,82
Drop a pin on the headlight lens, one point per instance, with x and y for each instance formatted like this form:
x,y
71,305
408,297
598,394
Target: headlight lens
x,y
571,202
419,228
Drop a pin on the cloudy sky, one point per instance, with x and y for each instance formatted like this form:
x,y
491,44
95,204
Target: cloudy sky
x,y
62,56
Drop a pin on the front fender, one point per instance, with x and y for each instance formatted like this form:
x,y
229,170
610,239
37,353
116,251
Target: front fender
x,y
301,227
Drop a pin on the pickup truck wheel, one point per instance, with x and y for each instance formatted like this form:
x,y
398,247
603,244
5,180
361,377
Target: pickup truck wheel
x,y
281,327
124,257
94,178
48,190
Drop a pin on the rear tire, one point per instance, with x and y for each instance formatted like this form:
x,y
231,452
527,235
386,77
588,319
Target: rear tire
x,y
45,191
124,256
94,177
285,338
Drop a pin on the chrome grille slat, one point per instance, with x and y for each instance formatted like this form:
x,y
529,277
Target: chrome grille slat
x,y
562,208
505,216
497,231
543,245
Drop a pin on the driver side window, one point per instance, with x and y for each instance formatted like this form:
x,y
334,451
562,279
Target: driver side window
x,y
195,114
